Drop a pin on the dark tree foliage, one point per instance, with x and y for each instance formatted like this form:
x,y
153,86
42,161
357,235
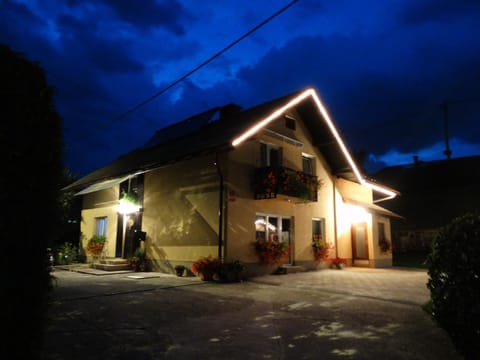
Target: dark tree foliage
x,y
31,148
454,270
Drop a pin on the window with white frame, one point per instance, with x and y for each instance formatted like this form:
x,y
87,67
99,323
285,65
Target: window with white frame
x,y
318,227
270,155
272,227
307,164
101,226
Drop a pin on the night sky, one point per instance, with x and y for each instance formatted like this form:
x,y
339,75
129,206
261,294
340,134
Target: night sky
x,y
383,68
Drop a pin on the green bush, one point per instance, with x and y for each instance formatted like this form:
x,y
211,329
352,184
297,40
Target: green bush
x,y
66,254
454,270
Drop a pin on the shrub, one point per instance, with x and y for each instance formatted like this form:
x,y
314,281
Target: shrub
x,y
66,254
454,283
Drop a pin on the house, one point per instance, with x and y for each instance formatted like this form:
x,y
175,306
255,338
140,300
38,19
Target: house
x,y
433,193
214,183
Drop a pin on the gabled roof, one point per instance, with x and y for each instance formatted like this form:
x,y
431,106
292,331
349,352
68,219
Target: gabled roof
x,y
201,134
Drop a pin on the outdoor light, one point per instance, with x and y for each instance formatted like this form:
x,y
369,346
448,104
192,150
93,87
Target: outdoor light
x,y
355,213
323,111
126,206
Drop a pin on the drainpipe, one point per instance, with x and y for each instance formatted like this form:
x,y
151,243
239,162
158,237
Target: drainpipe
x,y
220,207
335,234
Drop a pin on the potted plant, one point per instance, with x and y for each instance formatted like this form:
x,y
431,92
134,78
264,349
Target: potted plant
x,y
384,245
206,267
232,271
95,246
339,262
270,251
137,261
321,249
179,270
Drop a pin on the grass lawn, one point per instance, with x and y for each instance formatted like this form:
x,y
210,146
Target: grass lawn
x,y
410,259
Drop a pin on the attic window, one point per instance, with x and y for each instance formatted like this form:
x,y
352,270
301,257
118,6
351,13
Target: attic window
x,y
290,123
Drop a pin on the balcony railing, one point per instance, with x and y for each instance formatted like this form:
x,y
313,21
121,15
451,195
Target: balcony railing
x,y
271,181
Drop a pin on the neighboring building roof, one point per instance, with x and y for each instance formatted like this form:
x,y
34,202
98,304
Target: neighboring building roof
x,y
434,192
223,128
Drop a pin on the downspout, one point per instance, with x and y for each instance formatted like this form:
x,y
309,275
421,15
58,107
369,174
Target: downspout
x,y
335,234
220,206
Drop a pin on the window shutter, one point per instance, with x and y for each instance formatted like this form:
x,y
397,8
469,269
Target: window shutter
x,y
263,155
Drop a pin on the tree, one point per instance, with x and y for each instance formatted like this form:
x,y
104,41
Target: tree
x,y
31,148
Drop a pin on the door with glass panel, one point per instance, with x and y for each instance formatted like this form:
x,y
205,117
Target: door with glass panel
x,y
276,228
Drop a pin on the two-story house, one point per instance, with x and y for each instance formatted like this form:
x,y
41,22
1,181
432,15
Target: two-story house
x,y
214,183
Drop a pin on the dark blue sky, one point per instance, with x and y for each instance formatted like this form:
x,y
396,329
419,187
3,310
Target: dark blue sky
x,y
382,67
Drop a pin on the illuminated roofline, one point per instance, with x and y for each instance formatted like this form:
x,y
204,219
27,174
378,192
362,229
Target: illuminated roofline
x,y
323,111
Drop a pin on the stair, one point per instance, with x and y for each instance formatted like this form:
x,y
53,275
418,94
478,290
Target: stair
x,y
291,269
113,264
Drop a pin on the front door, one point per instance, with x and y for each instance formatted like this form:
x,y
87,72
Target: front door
x,y
359,241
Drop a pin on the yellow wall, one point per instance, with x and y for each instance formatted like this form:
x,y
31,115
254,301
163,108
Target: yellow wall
x,y
181,205
181,212
242,207
100,204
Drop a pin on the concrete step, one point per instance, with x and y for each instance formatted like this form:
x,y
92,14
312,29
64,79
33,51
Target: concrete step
x,y
112,264
291,269
113,261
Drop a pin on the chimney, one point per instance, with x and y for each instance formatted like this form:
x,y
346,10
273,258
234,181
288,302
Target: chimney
x,y
416,161
229,110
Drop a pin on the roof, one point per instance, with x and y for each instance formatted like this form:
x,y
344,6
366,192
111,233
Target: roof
x,y
223,128
433,192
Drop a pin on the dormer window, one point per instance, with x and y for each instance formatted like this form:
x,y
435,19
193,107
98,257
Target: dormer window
x,y
290,123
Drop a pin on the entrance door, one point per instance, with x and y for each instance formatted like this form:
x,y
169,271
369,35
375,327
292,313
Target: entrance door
x,y
360,241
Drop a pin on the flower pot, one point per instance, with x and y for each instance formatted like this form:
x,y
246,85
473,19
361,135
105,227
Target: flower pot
x,y
323,264
205,275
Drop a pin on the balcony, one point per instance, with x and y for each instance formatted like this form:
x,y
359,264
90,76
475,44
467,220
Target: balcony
x,y
272,181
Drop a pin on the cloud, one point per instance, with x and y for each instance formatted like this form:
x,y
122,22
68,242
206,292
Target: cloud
x,y
383,71
167,14
418,12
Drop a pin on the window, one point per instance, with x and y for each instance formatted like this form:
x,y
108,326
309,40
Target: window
x,y
275,228
382,236
101,226
290,123
307,164
318,229
270,155
272,227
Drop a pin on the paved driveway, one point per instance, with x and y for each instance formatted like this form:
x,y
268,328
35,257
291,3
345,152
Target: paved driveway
x,y
330,314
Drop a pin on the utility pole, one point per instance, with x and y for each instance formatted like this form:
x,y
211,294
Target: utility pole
x,y
447,151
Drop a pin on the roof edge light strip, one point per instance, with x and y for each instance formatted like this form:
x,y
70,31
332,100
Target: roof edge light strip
x,y
323,111
273,116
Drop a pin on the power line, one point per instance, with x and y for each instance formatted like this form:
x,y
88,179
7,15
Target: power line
x,y
198,67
